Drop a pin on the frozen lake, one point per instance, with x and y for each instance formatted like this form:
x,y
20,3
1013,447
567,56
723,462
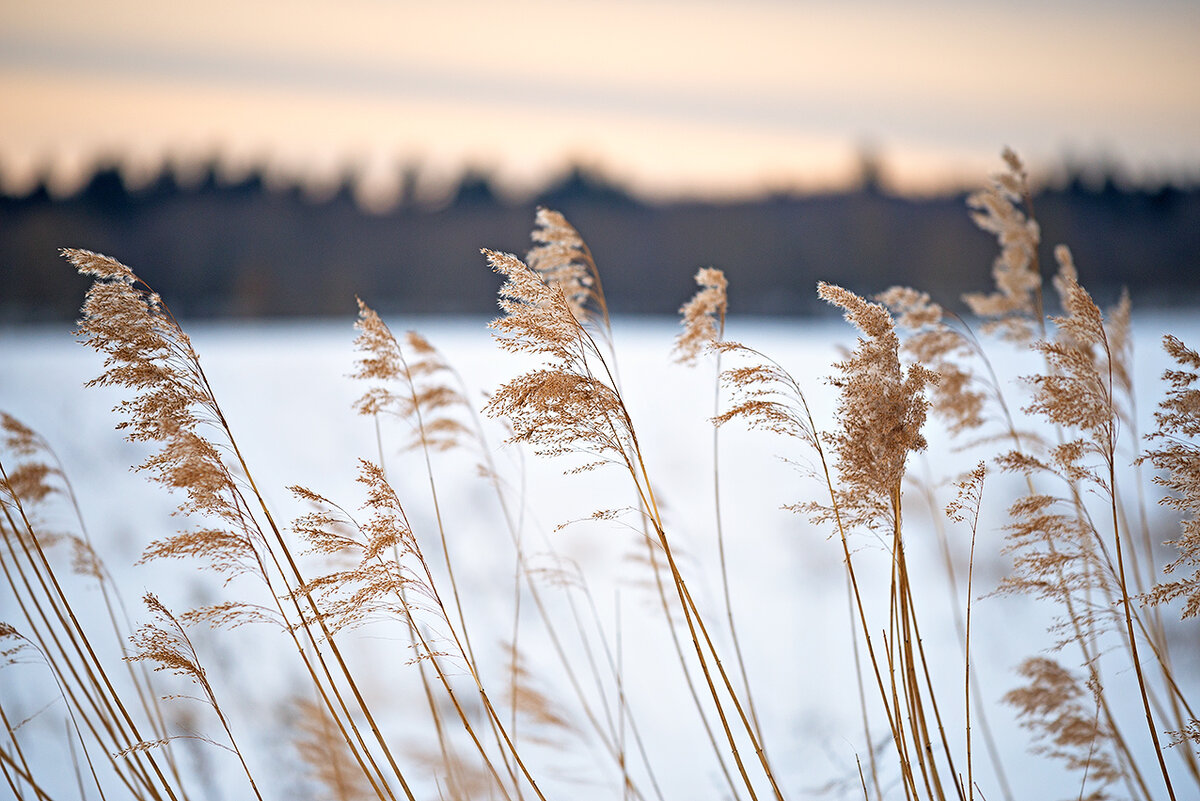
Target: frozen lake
x,y
285,391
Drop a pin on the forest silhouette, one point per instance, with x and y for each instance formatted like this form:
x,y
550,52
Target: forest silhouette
x,y
250,248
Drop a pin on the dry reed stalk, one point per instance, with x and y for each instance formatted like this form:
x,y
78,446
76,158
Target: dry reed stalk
x,y
166,645
380,361
80,676
973,690
562,259
14,771
375,585
664,600
1095,566
567,408
425,384
766,397
427,403
1077,394
323,752
1015,309
966,505
703,318
881,411
148,353
430,404
24,442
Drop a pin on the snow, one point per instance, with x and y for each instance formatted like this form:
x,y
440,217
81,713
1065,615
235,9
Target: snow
x,y
285,391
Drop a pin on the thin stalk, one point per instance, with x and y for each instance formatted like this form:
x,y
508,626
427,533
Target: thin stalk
x,y
16,746
1111,446
192,365
687,673
691,617
615,670
22,772
320,620
443,745
862,698
893,717
967,663
906,585
625,783
439,728
108,591
902,635
67,690
224,721
552,632
960,628
493,716
462,715
120,717
376,780
1137,666
716,450
437,509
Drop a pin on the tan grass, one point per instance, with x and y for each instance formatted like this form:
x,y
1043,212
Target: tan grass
x,y
1079,538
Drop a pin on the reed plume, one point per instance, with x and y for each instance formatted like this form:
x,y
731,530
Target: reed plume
x,y
371,557
881,410
147,353
565,407
165,644
573,405
1014,308
415,389
703,316
1064,716
563,260
324,755
1177,455
956,396
1068,535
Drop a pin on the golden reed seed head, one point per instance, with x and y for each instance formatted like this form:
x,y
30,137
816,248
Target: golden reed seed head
x,y
703,315
881,410
1012,307
562,260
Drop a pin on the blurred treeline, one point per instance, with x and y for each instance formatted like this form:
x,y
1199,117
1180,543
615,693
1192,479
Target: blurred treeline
x,y
218,248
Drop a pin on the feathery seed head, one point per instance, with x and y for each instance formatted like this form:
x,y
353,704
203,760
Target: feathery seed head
x,y
1060,710
563,261
703,315
1177,455
424,397
881,410
934,343
566,406
537,317
1011,308
1076,391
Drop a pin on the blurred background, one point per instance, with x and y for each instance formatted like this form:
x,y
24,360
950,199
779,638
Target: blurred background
x,y
275,158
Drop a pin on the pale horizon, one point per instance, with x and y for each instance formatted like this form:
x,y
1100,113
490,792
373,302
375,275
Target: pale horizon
x,y
667,98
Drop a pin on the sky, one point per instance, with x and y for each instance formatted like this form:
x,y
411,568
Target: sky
x,y
668,97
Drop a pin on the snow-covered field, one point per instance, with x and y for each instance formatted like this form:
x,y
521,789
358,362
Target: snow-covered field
x,y
285,391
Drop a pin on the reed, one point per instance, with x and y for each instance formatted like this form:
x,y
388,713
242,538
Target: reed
x,y
498,708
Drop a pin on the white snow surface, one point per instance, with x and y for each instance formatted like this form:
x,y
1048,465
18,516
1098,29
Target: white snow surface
x,y
284,388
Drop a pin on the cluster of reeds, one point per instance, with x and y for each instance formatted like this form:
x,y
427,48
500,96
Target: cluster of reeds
x,y
491,722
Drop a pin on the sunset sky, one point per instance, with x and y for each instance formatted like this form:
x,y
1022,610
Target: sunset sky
x,y
667,96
